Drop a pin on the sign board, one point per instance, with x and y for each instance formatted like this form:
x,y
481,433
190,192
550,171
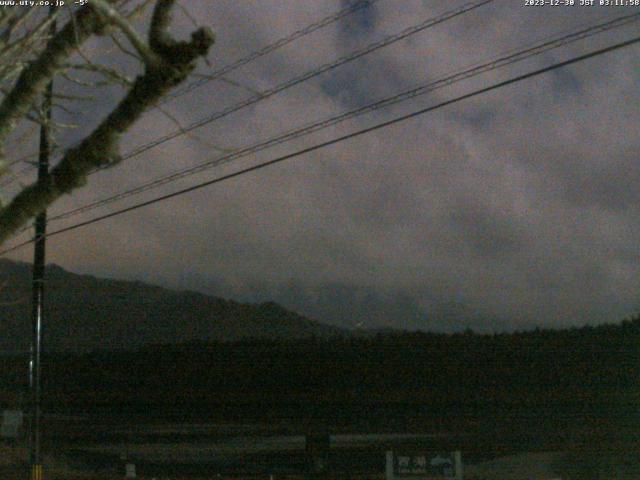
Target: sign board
x,y
424,465
130,470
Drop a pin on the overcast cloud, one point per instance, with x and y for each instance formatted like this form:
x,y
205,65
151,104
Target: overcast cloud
x,y
515,209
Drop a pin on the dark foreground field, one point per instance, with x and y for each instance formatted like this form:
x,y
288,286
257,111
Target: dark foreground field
x,y
85,448
491,396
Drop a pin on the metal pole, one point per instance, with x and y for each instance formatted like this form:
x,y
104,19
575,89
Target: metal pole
x,y
457,456
38,289
389,466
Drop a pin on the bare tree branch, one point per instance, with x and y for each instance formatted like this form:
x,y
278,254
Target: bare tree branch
x,y
112,15
36,76
171,63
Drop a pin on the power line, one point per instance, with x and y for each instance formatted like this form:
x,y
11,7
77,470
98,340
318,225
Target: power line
x,y
274,46
342,138
282,42
448,80
388,40
370,48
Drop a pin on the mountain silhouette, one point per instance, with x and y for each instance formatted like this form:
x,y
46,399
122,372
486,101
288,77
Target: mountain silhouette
x,y
85,313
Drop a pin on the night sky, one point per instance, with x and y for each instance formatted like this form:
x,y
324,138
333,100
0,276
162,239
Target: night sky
x,y
518,208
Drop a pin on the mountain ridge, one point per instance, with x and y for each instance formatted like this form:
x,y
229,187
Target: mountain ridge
x,y
84,312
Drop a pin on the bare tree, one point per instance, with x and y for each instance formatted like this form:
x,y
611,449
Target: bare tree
x,y
30,58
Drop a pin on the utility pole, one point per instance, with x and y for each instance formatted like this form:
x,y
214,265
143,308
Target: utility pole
x,y
38,287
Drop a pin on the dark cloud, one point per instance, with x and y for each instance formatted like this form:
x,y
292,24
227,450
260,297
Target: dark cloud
x,y
514,209
490,234
360,24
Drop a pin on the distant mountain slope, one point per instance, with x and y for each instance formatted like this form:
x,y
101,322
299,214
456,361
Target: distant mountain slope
x,y
85,313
